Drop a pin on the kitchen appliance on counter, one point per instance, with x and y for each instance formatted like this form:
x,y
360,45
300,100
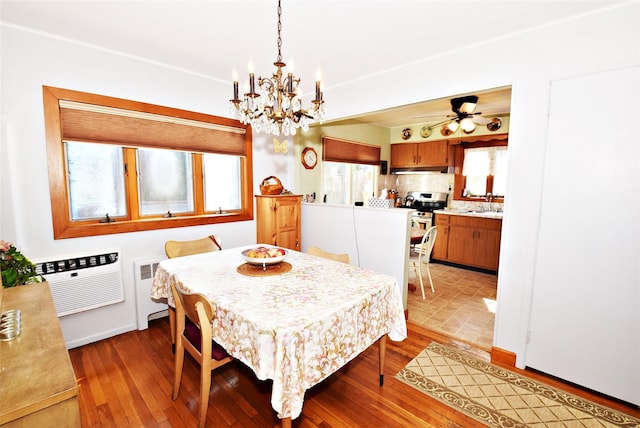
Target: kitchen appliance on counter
x,y
425,203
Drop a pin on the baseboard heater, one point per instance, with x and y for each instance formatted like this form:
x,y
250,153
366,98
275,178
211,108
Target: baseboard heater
x,y
84,282
147,308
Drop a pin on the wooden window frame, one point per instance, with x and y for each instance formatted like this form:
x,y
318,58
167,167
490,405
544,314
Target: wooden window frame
x,y
459,181
63,227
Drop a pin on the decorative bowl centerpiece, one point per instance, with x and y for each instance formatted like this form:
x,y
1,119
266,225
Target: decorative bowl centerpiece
x,y
264,255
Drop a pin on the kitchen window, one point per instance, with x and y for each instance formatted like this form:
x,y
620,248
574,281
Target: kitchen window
x,y
480,163
345,183
481,170
349,170
121,166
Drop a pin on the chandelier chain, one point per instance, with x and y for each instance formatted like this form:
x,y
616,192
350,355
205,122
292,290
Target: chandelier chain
x,y
279,32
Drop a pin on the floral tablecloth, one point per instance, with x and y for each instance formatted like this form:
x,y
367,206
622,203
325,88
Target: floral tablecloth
x,y
296,328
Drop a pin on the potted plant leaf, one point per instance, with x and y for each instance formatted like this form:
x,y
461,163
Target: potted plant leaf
x,y
15,268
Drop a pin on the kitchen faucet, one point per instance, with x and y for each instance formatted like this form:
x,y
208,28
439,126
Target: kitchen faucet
x,y
489,198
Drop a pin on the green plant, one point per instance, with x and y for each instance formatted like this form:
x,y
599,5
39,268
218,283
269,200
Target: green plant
x,y
15,268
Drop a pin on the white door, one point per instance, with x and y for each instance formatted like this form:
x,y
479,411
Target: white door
x,y
585,322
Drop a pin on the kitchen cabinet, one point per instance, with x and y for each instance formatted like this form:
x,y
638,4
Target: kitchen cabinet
x,y
412,155
441,245
278,220
470,241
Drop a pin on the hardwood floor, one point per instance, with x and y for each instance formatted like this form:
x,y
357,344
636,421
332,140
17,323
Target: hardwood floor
x,y
126,381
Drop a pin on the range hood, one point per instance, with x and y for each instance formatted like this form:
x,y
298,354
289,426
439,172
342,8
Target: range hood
x,y
423,170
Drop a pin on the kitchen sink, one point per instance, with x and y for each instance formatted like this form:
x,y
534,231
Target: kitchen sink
x,y
489,214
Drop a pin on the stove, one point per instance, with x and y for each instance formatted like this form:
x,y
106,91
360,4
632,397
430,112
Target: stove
x,y
425,203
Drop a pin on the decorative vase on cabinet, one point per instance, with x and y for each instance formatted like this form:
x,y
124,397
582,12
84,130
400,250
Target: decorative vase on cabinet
x,y
278,220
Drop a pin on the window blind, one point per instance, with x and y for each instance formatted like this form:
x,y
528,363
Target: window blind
x,y
337,150
100,124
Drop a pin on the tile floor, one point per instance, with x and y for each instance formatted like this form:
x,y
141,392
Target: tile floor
x,y
463,305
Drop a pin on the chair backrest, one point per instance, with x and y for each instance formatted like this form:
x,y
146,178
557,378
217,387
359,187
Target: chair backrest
x,y
196,246
429,238
196,307
344,258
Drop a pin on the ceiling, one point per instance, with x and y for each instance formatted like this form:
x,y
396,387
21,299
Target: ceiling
x,y
346,40
491,103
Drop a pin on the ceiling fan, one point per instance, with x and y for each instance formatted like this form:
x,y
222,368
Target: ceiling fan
x,y
465,117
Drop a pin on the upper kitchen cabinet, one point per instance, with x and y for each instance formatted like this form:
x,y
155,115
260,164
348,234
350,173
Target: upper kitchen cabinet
x,y
419,156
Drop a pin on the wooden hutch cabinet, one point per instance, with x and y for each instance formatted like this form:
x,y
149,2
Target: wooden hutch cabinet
x,y
278,220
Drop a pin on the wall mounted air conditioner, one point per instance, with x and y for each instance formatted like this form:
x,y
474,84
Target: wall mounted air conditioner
x,y
83,282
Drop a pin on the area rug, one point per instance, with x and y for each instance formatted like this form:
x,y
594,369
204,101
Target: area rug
x,y
501,398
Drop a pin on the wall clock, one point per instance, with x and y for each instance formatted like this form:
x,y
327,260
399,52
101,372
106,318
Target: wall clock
x,y
309,158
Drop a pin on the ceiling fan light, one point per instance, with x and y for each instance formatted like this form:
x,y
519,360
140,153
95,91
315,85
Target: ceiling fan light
x,y
453,126
467,125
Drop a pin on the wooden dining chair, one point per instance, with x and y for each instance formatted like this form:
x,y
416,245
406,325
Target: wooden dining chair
x,y
194,314
186,248
424,256
315,251
196,246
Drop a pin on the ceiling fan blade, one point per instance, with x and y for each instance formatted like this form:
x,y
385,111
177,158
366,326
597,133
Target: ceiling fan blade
x,y
427,116
433,125
480,120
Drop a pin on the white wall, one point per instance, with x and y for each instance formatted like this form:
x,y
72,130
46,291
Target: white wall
x,y
528,61
30,61
374,238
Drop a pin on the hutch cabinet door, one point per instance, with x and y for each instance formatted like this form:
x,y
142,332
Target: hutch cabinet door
x,y
278,220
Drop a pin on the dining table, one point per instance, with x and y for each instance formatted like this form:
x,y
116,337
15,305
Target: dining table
x,y
295,322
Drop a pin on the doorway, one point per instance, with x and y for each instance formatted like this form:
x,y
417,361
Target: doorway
x,y
463,305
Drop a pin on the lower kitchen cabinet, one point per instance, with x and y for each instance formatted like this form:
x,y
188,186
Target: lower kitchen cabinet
x,y
441,245
470,241
278,220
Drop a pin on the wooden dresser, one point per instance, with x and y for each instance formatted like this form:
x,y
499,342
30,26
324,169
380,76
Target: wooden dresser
x,y
37,384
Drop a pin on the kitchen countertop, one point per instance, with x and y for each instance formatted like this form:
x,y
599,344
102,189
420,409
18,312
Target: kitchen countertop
x,y
483,214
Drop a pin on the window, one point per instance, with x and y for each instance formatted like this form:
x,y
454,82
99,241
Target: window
x,y
222,178
481,163
120,166
481,169
346,183
164,182
95,174
349,170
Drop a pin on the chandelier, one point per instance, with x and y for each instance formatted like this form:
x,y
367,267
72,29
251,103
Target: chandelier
x,y
276,108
